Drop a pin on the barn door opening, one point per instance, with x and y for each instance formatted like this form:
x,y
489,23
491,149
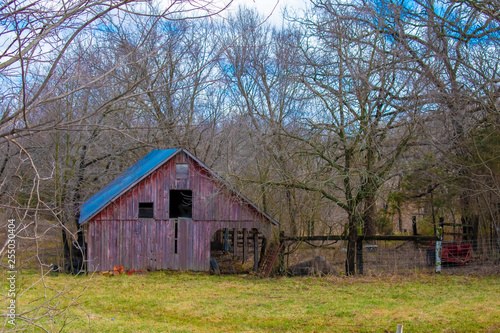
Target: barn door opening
x,y
236,251
181,204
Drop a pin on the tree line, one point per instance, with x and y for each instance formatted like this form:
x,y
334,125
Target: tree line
x,y
343,116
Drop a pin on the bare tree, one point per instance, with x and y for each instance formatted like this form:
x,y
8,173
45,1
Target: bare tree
x,y
258,69
67,113
453,48
360,101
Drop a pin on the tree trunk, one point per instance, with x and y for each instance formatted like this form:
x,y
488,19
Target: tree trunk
x,y
351,246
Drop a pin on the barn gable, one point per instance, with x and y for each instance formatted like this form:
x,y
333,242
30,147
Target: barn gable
x,y
164,212
140,170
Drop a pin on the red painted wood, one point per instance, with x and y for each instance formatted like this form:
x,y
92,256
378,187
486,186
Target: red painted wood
x,y
117,237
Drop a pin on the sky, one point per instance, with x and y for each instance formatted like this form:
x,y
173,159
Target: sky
x,y
271,8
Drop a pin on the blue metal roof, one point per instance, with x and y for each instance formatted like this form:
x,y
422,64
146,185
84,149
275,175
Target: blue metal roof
x,y
128,179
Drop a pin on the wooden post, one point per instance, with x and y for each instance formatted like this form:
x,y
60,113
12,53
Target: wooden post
x,y
399,328
219,239
282,253
235,242
226,240
255,249
439,235
245,243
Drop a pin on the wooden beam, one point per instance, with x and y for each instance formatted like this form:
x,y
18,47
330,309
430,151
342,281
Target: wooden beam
x,y
226,240
417,238
245,243
235,242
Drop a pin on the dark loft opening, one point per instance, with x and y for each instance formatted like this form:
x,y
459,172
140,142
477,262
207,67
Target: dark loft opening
x,y
181,203
146,210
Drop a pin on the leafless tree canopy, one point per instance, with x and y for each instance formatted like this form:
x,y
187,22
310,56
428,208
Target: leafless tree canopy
x,y
348,115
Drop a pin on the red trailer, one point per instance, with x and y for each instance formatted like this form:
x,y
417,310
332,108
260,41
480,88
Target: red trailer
x,y
450,254
457,254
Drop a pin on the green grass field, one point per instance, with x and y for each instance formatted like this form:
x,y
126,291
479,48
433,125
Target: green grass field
x,y
189,302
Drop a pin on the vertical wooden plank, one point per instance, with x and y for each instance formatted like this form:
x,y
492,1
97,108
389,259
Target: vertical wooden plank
x,y
179,244
110,248
121,211
103,245
138,248
152,193
182,240
117,242
169,245
120,242
166,194
96,245
193,244
206,254
192,183
255,249
99,244
205,245
153,250
109,245
113,246
163,236
129,206
134,203
205,200
213,201
131,240
164,244
135,244
159,243
160,215
102,234
201,245
144,243
163,250
90,245
150,244
235,242
147,243
185,237
125,244
245,243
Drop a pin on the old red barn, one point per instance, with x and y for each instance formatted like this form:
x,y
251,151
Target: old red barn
x,y
162,214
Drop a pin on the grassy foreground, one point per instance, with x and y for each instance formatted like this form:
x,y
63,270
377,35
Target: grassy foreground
x,y
188,302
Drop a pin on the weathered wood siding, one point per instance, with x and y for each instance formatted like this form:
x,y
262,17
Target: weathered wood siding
x,y
116,236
